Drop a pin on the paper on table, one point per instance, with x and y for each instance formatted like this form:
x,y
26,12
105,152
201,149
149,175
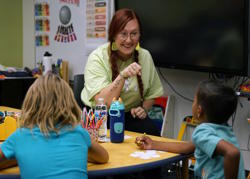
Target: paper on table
x,y
127,137
148,154
107,139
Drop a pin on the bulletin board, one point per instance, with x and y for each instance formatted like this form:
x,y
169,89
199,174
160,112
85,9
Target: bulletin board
x,y
70,30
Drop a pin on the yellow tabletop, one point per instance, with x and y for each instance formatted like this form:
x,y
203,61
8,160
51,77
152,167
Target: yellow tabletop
x,y
9,124
4,108
119,153
121,159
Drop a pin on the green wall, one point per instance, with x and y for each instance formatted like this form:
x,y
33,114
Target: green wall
x,y
11,33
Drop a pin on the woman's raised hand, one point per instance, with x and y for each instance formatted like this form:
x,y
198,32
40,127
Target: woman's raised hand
x,y
131,70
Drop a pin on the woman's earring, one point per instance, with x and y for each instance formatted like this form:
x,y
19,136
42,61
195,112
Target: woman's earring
x,y
114,47
137,47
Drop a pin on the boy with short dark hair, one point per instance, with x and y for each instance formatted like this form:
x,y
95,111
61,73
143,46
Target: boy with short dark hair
x,y
213,142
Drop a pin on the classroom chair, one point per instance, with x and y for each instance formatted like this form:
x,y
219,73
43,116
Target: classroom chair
x,y
78,85
157,111
167,128
188,121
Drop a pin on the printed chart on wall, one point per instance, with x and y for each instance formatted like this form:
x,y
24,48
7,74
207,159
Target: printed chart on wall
x,y
97,18
70,30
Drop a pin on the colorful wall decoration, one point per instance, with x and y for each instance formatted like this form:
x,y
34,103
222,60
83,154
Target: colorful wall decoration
x,y
96,18
42,23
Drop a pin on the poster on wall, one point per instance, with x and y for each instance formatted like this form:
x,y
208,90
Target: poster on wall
x,y
97,21
64,29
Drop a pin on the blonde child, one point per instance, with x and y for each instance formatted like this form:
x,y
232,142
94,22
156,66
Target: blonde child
x,y
50,142
213,142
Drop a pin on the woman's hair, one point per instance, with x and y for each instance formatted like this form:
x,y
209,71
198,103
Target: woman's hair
x,y
218,101
50,105
118,23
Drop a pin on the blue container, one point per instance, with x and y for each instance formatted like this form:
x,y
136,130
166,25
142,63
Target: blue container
x,y
117,123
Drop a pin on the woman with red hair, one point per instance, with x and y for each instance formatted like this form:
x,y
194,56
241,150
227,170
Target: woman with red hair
x,y
121,68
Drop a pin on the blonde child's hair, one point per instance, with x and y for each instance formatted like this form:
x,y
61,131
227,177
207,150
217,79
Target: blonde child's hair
x,y
50,105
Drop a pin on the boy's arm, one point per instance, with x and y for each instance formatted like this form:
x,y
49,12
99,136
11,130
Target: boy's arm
x,y
231,158
5,163
145,142
175,147
97,154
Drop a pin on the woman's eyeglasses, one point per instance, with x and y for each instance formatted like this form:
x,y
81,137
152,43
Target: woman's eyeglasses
x,y
133,35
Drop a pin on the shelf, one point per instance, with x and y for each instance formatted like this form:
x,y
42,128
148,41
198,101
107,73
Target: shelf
x,y
243,94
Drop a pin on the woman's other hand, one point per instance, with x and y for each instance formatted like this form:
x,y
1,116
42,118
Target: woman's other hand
x,y
138,112
131,70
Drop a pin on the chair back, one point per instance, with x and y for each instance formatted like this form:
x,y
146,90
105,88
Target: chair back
x,y
167,129
78,86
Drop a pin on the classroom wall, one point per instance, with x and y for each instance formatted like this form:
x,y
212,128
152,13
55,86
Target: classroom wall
x,y
183,81
11,36
28,34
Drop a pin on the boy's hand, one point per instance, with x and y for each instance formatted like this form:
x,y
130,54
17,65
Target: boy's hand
x,y
144,142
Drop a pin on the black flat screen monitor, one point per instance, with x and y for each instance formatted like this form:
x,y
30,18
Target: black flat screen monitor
x,y
202,35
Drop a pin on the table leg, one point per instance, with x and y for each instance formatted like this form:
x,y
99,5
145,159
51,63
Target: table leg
x,y
184,170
